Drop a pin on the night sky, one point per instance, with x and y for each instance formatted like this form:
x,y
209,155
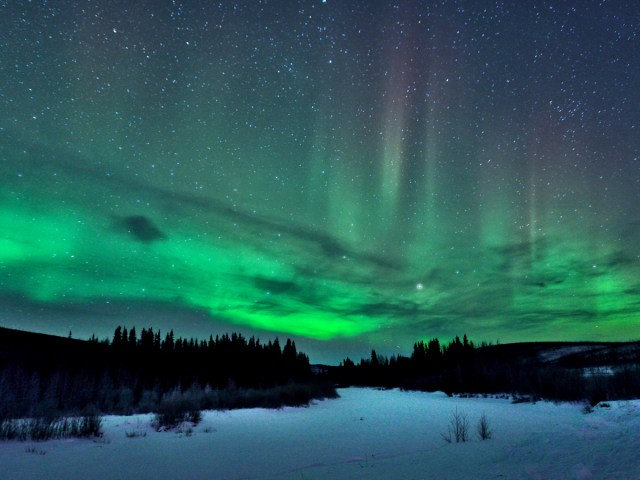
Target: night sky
x,y
351,174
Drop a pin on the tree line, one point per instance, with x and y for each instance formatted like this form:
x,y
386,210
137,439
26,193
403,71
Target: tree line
x,y
461,366
45,375
226,360
431,366
42,375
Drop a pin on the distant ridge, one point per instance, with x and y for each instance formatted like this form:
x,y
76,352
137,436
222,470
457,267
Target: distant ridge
x,y
570,354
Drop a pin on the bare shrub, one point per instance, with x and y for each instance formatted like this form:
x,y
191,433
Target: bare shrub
x,y
175,409
89,425
458,428
484,428
35,451
45,428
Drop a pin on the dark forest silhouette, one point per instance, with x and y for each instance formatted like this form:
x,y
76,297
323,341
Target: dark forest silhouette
x,y
461,367
46,375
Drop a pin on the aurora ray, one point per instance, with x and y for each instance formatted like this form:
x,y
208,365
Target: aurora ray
x,y
338,171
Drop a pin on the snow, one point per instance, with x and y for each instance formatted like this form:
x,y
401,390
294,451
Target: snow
x,y
365,434
556,353
604,370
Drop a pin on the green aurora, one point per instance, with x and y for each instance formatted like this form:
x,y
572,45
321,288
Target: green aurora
x,y
279,182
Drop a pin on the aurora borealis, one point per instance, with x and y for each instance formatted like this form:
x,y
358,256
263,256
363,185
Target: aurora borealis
x,y
347,172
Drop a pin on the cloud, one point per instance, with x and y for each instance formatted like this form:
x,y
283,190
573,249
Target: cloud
x,y
275,286
141,228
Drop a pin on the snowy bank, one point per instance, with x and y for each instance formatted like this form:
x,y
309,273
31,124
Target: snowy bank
x,y
366,434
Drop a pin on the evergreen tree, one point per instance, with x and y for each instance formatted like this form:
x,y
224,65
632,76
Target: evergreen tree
x,y
374,358
169,342
133,341
289,352
117,337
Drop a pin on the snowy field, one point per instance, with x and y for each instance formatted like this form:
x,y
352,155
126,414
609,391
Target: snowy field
x,y
365,434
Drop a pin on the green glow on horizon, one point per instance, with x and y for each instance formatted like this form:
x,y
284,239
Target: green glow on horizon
x,y
61,255
73,261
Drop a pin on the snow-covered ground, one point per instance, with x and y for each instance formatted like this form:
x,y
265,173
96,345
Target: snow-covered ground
x,y
365,434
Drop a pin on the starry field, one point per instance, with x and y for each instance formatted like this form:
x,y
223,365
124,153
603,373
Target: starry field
x,y
345,172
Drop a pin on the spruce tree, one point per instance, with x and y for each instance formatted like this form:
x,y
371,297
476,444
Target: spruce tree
x,y
117,337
